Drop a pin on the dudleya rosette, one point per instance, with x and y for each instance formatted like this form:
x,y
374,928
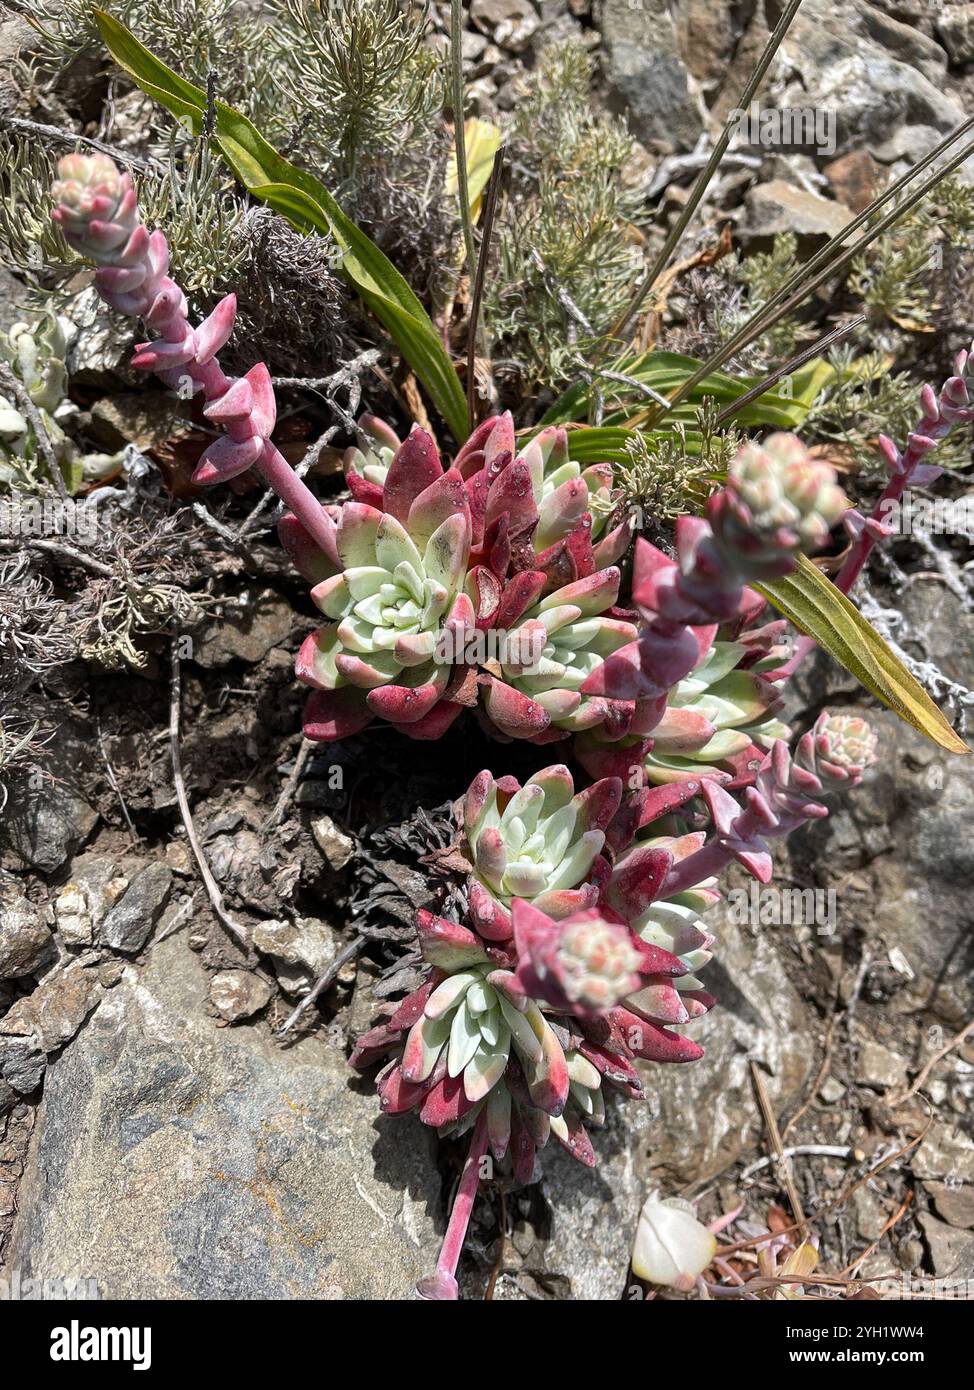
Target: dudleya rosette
x,y
540,842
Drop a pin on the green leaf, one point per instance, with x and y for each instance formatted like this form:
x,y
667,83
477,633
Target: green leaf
x,y
820,610
663,372
308,205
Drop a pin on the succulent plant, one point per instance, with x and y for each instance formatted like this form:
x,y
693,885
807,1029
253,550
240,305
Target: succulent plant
x,y
535,689
540,842
571,972
833,754
395,597
838,749
97,209
717,719
531,510
36,355
778,501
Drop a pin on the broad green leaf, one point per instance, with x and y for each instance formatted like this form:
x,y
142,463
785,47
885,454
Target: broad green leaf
x,y
663,372
308,205
820,610
607,443
481,141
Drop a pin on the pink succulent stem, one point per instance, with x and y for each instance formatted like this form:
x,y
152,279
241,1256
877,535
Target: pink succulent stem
x,y
940,414
97,207
707,862
443,1282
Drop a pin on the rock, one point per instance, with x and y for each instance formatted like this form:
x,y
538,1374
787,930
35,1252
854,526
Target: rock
x,y
238,994
51,819
335,845
874,73
22,1065
71,914
855,179
246,634
778,206
831,1090
951,1250
955,26
946,1153
42,1022
25,942
881,1068
510,23
954,1202
306,943
128,924
697,1118
145,419
594,1211
8,1096
645,75
173,1161
705,1113
901,830
97,883
706,34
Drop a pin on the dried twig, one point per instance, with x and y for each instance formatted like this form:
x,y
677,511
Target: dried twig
x,y
209,882
921,1079
294,777
838,1201
783,1163
113,783
59,551
797,1150
72,138
322,983
813,1090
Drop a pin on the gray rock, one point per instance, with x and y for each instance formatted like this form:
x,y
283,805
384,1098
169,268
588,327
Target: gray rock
x,y
40,1023
645,75
335,845
22,1064
510,23
238,994
25,942
246,634
881,1068
171,1160
96,884
50,820
779,206
956,29
954,1202
307,944
872,72
951,1250
128,924
946,1153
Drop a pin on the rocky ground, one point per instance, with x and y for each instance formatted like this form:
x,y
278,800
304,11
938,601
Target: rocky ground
x,y
171,1129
